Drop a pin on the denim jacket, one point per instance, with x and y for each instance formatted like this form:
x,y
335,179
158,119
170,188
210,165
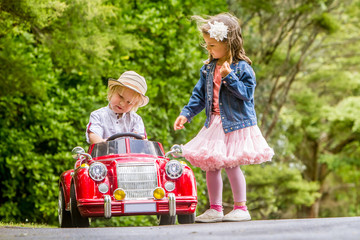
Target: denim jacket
x,y
236,97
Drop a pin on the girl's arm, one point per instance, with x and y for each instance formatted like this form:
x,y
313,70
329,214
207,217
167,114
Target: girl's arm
x,y
197,100
242,85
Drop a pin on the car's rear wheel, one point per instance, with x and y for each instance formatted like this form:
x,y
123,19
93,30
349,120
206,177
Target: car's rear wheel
x,y
186,219
166,219
64,216
76,218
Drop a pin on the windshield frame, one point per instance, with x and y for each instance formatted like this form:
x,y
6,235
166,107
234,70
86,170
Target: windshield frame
x,y
126,145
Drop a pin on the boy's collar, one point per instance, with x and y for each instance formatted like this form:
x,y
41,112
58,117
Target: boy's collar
x,y
121,115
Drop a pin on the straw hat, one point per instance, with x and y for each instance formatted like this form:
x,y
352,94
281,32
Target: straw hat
x,y
133,81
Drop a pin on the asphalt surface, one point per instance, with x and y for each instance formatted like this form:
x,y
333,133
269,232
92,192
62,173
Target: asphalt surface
x,y
310,229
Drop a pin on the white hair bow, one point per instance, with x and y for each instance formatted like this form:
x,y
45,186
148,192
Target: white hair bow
x,y
218,31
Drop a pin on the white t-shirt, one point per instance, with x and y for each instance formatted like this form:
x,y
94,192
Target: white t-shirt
x,y
105,123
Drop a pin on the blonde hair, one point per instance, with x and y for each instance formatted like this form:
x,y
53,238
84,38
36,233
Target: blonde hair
x,y
234,38
119,89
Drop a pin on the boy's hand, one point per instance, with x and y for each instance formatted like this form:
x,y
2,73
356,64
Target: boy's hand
x,y
143,136
179,122
225,69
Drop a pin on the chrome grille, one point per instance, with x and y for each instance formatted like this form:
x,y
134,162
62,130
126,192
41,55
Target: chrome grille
x,y
137,179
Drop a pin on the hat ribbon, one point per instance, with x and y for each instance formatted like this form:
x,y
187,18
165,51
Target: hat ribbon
x,y
131,85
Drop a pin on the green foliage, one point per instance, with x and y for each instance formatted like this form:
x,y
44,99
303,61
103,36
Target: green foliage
x,y
56,57
24,66
327,23
36,150
347,112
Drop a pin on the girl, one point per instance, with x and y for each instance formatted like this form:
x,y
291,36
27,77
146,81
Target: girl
x,y
230,136
125,95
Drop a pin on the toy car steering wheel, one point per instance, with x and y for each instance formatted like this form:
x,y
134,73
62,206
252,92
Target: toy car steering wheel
x,y
128,134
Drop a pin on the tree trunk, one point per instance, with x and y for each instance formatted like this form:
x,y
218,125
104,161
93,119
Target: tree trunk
x,y
314,209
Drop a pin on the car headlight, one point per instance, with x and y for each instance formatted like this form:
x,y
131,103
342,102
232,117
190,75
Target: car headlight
x,y
174,169
97,171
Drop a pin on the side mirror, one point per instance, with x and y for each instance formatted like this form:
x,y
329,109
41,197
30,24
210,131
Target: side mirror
x,y
175,151
76,152
79,153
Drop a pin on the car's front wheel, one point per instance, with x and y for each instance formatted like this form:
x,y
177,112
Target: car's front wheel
x,y
186,219
166,219
76,218
64,216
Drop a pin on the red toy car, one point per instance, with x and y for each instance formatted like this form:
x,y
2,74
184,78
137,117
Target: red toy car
x,y
126,176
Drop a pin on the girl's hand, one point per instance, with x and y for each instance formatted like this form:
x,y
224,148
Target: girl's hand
x,y
225,69
179,122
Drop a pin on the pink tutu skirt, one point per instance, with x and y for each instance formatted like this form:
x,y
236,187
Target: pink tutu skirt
x,y
212,149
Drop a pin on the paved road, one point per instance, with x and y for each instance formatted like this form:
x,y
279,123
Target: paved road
x,y
310,229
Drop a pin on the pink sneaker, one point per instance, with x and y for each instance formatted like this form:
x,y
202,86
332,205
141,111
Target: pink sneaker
x,y
209,216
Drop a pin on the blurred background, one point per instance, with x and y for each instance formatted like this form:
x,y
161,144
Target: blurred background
x,y
56,57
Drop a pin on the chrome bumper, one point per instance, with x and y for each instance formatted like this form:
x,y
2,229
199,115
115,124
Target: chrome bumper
x,y
107,206
172,205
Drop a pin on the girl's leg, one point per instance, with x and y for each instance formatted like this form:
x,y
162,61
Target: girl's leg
x,y
238,185
215,186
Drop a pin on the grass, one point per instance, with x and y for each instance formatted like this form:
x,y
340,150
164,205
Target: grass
x,y
25,225
123,221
